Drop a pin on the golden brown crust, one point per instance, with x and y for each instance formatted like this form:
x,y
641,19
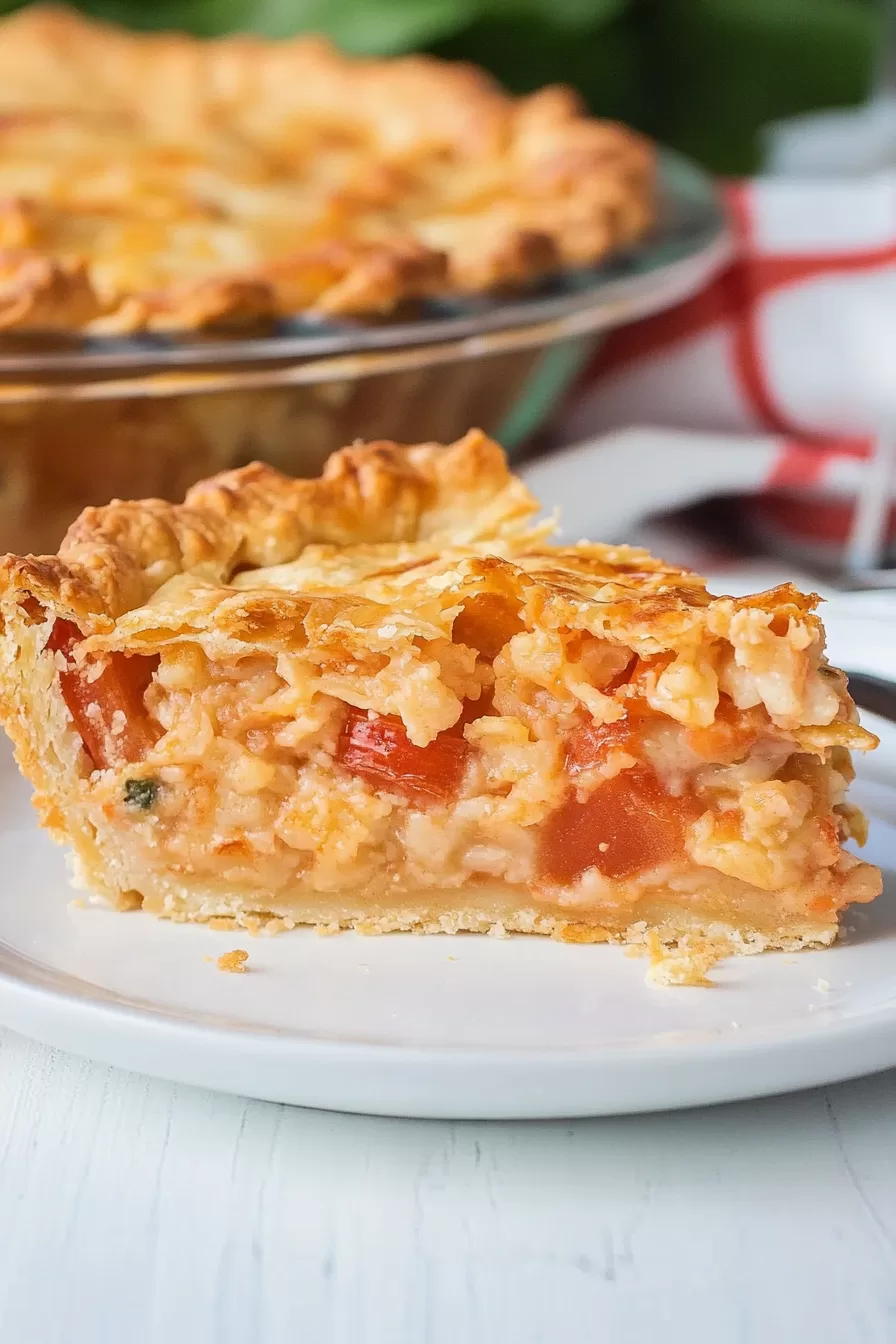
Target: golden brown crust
x,y
424,509
114,558
158,182
45,293
270,561
422,525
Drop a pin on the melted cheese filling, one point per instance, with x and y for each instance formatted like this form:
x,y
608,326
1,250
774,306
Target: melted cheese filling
x,y
251,792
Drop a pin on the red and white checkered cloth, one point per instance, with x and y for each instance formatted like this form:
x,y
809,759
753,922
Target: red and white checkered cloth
x,y
796,339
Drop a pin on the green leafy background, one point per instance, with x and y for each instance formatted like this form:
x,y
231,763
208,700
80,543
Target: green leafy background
x,y
703,75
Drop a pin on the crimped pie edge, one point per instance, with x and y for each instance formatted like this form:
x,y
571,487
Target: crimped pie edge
x,y
599,175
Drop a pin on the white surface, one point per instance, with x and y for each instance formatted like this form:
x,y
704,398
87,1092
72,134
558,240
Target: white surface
x,y
469,1027
153,1214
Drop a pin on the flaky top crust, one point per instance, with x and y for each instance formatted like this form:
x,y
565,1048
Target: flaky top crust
x,y
398,555
252,555
159,182
116,558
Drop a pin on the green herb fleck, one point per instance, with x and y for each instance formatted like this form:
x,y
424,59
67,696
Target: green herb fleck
x,y
141,793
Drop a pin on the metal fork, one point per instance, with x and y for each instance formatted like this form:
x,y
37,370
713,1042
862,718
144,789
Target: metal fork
x,y
876,694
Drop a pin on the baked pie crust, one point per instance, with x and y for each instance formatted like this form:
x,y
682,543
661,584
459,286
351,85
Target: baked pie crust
x,y
384,699
163,183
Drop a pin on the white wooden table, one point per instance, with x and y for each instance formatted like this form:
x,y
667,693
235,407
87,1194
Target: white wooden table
x,y
137,1212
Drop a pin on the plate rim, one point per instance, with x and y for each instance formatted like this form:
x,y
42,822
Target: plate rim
x,y
436,1082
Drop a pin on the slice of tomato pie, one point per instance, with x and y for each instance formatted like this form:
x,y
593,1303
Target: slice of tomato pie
x,y
383,699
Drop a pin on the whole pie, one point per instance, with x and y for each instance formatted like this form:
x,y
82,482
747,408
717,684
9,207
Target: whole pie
x,y
159,182
384,699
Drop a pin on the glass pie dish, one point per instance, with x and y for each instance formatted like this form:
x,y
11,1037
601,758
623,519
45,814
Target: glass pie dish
x,y
85,420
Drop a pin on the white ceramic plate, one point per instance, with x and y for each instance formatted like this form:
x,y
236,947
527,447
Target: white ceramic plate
x,y
451,1028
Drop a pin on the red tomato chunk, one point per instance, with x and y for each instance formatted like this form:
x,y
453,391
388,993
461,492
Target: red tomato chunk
x,y
593,744
628,825
379,751
108,740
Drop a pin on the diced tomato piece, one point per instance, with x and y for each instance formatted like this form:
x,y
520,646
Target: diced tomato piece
x,y
109,738
593,744
379,751
730,736
487,622
628,825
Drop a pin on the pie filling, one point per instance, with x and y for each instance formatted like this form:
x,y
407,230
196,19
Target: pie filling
x,y
297,785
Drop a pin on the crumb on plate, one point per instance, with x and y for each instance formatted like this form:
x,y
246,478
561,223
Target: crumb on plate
x,y
582,933
234,961
686,964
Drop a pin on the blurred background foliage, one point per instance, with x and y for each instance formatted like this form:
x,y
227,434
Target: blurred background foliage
x,y
702,75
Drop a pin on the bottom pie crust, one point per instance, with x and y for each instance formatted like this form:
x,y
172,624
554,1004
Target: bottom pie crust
x,y
499,910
